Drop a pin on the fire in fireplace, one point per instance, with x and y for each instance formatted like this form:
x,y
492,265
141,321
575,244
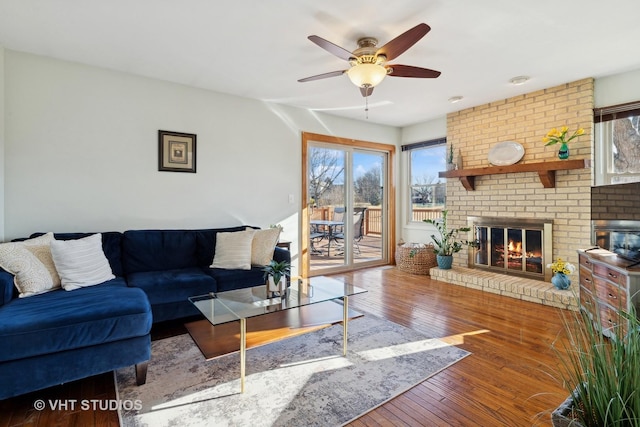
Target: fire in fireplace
x,y
512,246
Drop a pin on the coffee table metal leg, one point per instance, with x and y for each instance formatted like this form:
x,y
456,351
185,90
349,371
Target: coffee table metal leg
x,y
243,350
345,319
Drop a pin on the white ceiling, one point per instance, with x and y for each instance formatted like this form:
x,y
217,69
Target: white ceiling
x,y
259,49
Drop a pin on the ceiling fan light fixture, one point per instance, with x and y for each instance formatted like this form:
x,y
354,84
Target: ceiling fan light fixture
x,y
366,75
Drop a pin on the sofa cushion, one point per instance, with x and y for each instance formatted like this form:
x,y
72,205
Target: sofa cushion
x,y
206,242
31,263
263,244
59,320
172,285
227,280
81,263
157,250
233,250
111,245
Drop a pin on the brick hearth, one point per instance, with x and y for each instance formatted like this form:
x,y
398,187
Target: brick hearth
x,y
510,286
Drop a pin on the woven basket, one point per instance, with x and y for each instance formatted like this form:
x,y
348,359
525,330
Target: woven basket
x,y
422,260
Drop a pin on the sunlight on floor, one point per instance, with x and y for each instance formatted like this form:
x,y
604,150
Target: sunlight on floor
x,y
402,349
319,359
459,338
257,383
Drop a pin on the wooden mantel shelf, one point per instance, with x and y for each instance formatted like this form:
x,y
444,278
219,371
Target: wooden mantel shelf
x,y
546,171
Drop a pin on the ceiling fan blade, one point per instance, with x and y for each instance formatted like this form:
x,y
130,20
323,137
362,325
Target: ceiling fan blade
x,y
323,76
398,70
331,48
404,41
366,91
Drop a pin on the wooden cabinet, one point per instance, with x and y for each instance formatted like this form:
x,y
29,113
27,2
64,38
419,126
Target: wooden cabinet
x,y
608,285
284,244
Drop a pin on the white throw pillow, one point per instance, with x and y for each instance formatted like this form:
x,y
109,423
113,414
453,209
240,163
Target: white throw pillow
x,y
263,244
233,250
31,264
81,263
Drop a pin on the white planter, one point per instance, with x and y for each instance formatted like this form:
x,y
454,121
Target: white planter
x,y
272,286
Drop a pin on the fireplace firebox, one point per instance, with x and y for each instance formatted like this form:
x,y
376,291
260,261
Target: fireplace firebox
x,y
519,247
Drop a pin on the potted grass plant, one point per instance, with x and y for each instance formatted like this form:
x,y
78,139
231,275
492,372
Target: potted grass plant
x,y
601,374
446,243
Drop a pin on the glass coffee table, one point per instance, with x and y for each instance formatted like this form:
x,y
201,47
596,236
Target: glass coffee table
x,y
307,305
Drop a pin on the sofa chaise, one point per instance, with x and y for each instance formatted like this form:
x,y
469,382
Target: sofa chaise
x,y
63,335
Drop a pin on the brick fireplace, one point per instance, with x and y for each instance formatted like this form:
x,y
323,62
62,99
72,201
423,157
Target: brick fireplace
x,y
524,119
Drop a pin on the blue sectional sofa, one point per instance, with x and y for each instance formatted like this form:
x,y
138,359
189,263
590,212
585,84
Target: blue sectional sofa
x,y
61,336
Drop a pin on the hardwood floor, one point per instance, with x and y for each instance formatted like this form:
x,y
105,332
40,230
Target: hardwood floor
x,y
508,380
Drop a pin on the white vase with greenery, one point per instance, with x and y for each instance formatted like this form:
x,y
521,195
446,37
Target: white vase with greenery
x,y
276,273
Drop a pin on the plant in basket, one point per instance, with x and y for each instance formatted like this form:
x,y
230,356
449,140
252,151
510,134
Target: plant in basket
x,y
415,258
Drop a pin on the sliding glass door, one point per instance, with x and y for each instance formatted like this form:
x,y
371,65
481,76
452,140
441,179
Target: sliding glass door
x,y
369,177
347,206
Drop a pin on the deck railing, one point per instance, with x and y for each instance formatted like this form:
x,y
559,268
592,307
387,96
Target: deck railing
x,y
373,221
373,217
420,214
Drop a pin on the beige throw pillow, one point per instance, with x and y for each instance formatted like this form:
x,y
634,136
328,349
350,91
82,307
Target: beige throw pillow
x,y
233,250
81,263
31,263
263,245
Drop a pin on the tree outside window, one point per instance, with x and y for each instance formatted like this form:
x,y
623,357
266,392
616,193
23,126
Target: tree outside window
x,y
427,192
617,136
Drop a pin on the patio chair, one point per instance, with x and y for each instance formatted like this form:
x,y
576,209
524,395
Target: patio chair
x,y
358,232
315,237
338,215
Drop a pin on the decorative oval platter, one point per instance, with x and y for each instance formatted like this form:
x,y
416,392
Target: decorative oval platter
x,y
506,153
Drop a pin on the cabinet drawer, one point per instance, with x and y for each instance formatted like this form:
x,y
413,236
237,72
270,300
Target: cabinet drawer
x,y
584,261
610,318
586,280
587,301
609,274
610,293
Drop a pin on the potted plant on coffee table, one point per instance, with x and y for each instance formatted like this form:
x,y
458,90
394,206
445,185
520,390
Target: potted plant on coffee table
x,y
276,273
601,374
446,243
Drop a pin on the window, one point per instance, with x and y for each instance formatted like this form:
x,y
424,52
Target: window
x,y
427,192
617,144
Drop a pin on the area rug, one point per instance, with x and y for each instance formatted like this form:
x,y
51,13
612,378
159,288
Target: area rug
x,y
301,381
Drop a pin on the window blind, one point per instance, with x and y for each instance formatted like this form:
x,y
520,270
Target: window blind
x,y
614,112
429,143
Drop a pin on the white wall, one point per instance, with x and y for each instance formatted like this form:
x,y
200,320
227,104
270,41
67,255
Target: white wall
x,y
617,89
81,152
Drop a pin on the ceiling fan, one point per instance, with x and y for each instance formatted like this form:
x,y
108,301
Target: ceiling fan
x,y
369,64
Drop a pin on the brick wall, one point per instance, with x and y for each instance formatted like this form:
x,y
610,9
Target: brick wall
x,y
527,119
616,202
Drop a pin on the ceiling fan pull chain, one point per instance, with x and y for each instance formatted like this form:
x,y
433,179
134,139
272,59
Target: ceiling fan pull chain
x,y
366,107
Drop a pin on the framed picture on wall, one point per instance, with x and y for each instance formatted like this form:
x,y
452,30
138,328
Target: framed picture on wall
x,y
176,151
